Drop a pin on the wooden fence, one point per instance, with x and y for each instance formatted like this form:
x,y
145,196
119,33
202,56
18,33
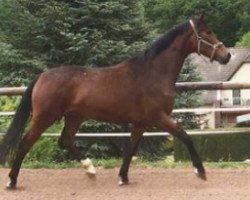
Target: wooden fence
x,y
180,86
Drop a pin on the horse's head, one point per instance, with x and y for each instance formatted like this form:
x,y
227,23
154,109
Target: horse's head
x,y
206,42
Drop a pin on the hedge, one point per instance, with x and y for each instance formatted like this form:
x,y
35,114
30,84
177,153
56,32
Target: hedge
x,y
216,147
47,149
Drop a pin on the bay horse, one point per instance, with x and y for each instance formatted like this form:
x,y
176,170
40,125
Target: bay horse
x,y
139,90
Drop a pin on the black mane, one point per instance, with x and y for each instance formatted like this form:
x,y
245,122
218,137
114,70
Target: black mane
x,y
162,43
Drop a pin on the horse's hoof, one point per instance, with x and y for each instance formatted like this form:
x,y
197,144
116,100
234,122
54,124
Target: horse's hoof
x,y
91,175
121,183
11,186
91,171
201,175
89,167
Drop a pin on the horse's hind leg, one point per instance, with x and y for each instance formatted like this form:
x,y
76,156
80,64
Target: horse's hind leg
x,y
33,134
167,124
66,141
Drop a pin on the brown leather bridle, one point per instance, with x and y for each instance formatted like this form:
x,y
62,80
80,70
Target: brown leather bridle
x,y
201,40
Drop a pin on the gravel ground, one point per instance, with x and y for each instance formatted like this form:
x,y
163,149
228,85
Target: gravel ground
x,y
146,184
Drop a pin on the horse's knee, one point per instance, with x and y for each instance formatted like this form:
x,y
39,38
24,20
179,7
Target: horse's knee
x,y
186,139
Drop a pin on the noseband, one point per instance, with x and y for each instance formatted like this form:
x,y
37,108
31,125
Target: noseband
x,y
201,40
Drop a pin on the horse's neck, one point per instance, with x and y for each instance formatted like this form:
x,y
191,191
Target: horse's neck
x,y
169,67
163,69
168,64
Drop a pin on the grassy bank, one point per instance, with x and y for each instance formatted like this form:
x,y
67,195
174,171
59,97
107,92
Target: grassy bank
x,y
168,162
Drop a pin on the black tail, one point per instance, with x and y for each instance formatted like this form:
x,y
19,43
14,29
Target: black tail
x,y
10,142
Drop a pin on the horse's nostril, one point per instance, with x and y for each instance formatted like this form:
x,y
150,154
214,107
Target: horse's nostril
x,y
229,56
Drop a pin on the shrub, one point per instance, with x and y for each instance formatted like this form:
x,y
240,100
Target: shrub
x,y
216,147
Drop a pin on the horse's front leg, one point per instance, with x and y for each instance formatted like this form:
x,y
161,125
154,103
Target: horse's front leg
x,y
168,125
66,141
129,151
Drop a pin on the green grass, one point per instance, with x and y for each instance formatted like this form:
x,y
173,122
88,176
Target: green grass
x,y
104,163
107,163
223,165
168,162
50,165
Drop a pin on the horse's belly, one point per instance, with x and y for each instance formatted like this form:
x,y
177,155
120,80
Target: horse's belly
x,y
136,114
115,115
119,107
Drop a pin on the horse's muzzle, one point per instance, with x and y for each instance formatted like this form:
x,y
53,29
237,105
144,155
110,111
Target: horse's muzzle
x,y
224,60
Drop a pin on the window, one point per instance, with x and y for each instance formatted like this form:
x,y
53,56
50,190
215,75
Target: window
x,y
236,97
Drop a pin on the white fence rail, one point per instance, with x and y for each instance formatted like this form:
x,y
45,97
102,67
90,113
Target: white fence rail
x,y
183,110
147,134
179,86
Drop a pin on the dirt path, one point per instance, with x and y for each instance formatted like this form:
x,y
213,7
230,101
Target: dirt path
x,y
146,184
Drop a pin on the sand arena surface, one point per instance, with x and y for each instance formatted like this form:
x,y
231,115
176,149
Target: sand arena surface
x,y
145,184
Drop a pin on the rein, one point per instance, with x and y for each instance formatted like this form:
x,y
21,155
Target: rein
x,y
201,40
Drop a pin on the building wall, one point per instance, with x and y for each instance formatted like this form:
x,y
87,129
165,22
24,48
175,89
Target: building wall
x,y
242,75
229,119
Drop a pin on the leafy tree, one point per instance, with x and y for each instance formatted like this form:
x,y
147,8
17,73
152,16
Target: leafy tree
x,y
187,99
38,34
244,41
17,67
228,18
